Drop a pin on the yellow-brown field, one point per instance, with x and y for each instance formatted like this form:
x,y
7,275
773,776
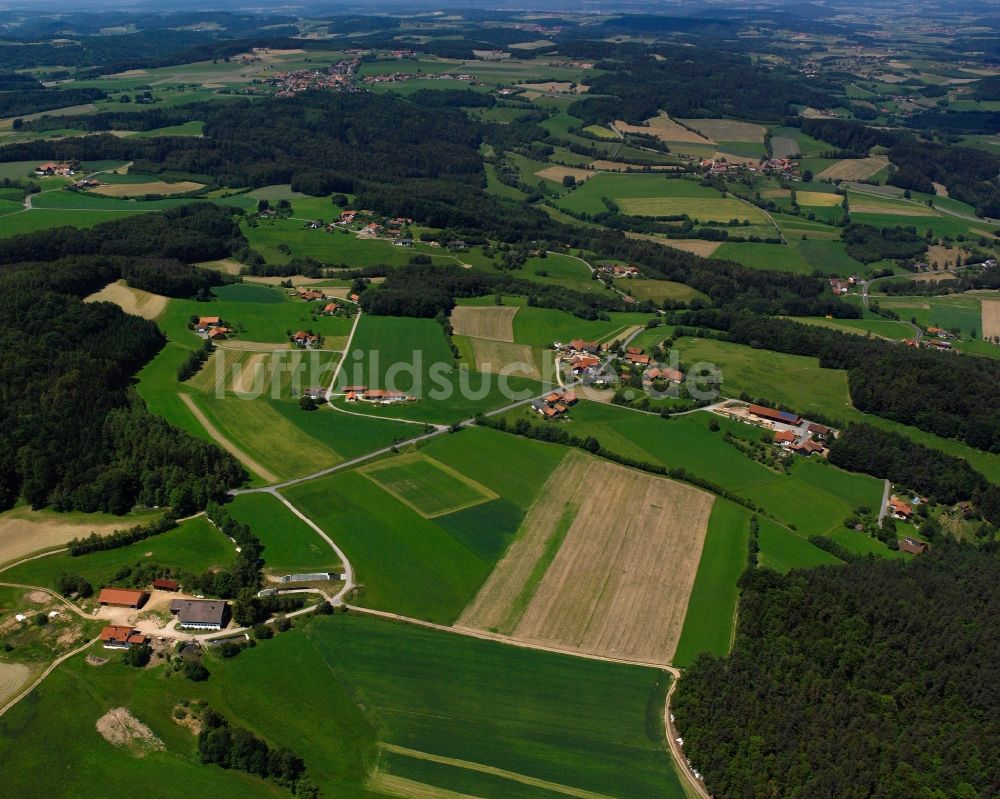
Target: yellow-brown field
x,y
23,531
854,168
696,246
557,173
664,129
818,199
603,564
496,356
142,189
991,318
496,323
133,301
727,129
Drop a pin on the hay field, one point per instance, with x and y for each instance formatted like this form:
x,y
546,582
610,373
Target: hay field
x,y
276,373
818,199
226,265
142,189
494,356
603,564
854,168
13,677
496,323
703,209
695,246
603,165
23,532
888,208
427,486
991,318
727,129
664,129
557,173
134,301
784,147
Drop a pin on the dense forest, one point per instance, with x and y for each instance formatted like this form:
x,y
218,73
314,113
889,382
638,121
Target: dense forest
x,y
943,393
876,679
73,434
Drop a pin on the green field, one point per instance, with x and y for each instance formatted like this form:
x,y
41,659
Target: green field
x,y
783,550
541,327
711,614
884,328
290,545
395,549
660,290
194,546
340,691
709,209
959,311
586,198
429,487
782,257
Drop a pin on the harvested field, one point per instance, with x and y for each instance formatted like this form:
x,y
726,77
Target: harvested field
x,y
496,323
278,374
945,256
557,173
403,788
134,301
226,265
940,189
494,356
574,581
727,129
13,677
784,147
121,729
854,168
142,189
991,319
428,486
859,206
776,194
695,246
665,129
818,199
561,87
22,532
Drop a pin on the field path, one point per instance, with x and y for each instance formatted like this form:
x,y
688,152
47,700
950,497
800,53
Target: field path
x,y
51,667
225,443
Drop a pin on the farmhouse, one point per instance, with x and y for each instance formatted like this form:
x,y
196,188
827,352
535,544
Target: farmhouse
x,y
63,168
201,614
217,333
382,395
899,508
579,345
912,545
305,339
330,308
637,360
314,392
772,415
820,432
205,323
806,447
166,585
309,295
584,363
670,375
116,636
784,438
122,598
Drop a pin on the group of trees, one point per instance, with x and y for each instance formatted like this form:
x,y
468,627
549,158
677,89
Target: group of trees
x,y
867,243
877,678
73,433
225,744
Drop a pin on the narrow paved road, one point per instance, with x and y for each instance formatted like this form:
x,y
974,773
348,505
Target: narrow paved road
x,y
885,502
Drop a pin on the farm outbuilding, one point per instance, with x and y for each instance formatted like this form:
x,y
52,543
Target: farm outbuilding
x,y
122,598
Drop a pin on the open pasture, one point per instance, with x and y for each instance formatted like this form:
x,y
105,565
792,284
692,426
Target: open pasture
x,y
571,580
290,545
715,209
495,323
854,168
429,487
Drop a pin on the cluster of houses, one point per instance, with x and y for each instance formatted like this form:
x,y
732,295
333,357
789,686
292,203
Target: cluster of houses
x,y
368,225
554,405
305,339
783,167
191,614
378,396
340,76
86,183
618,270
63,169
791,431
212,328
398,77
841,286
942,340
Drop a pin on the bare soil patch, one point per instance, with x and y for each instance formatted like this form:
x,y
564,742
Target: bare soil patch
x,y
854,168
603,564
142,189
991,319
23,532
134,301
557,173
495,356
496,323
121,729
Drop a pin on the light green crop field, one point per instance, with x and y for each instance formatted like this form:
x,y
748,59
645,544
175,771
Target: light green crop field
x,y
780,257
711,614
783,550
961,311
883,328
429,487
586,198
829,257
290,545
541,327
561,270
18,222
660,290
698,209
194,546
